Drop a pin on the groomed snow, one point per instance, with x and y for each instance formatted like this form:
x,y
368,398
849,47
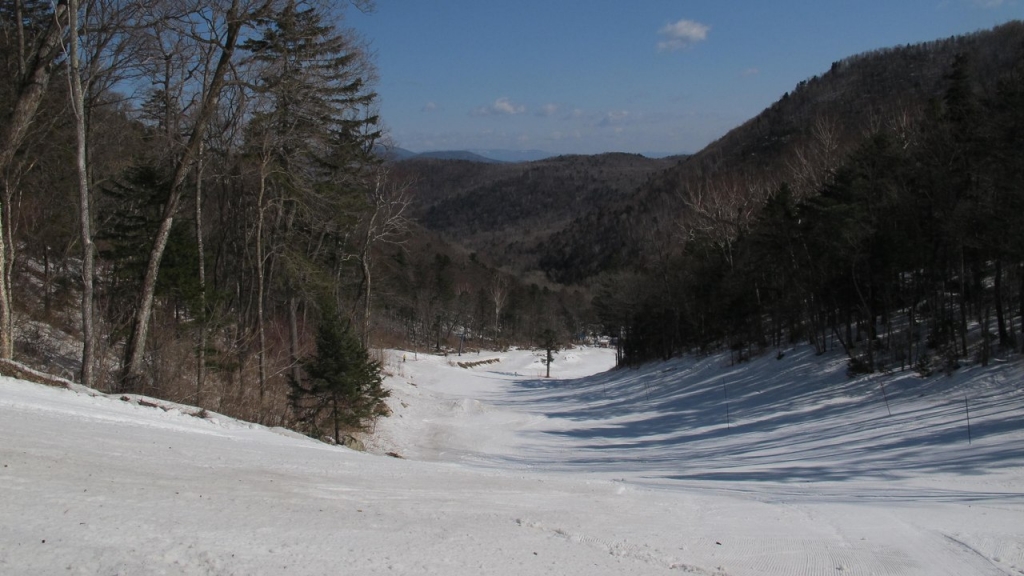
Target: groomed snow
x,y
773,467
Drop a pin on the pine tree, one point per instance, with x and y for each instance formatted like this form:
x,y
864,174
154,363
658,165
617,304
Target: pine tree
x,y
342,386
314,136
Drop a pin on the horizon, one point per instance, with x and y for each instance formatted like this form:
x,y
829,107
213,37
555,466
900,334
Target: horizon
x,y
670,80
532,154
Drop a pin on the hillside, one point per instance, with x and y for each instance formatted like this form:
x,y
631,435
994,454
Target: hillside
x,y
576,217
696,466
508,212
796,140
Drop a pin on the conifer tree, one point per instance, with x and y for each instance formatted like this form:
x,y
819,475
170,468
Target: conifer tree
x,y
342,387
315,133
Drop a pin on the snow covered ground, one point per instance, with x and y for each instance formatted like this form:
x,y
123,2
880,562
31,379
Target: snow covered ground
x,y
693,466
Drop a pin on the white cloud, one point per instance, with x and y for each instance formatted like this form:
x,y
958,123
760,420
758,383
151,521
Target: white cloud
x,y
429,107
682,34
614,118
548,110
751,72
501,107
989,3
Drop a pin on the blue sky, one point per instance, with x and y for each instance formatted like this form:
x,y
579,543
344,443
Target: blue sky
x,y
575,76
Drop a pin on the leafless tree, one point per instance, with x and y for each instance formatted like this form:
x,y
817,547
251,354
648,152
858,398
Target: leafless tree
x,y
385,223
499,295
84,212
221,27
722,208
36,63
814,161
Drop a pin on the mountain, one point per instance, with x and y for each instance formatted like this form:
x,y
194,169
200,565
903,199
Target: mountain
x,y
514,155
479,155
393,153
464,155
796,140
397,154
575,217
508,212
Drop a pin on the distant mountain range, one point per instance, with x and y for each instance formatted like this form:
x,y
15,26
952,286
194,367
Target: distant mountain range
x,y
575,217
486,155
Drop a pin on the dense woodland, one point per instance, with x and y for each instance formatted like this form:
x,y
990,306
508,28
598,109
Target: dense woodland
x,y
193,193
512,211
893,234
875,203
194,202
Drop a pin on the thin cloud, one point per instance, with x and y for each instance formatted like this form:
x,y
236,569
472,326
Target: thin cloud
x,y
429,107
614,118
501,107
751,72
548,110
682,34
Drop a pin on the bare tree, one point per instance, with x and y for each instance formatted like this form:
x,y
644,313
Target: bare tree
x,y
722,208
814,161
224,32
499,295
36,65
84,212
386,223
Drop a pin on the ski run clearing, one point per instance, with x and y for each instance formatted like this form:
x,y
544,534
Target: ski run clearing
x,y
693,466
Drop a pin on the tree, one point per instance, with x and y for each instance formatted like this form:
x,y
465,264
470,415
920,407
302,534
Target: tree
x,y
385,223
85,216
315,135
549,341
499,295
225,34
36,63
342,387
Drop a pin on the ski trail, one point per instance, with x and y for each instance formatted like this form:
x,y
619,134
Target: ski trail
x,y
642,553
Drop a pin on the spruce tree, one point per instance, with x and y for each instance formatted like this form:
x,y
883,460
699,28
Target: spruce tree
x,y
313,133
341,387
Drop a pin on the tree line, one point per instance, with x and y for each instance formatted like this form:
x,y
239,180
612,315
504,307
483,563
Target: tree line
x,y
906,253
192,190
199,175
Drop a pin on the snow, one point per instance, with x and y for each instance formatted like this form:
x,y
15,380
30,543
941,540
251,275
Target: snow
x,y
693,466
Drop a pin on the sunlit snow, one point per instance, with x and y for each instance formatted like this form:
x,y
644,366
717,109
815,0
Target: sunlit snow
x,y
693,466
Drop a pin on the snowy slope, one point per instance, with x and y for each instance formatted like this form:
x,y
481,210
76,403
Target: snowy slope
x,y
624,472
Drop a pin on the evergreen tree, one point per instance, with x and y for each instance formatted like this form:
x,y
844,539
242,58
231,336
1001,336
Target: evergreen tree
x,y
314,80
313,134
342,386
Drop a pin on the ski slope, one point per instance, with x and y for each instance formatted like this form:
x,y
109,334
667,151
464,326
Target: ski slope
x,y
692,466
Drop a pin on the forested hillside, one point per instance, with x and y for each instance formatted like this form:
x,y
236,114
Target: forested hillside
x,y
194,207
876,208
510,211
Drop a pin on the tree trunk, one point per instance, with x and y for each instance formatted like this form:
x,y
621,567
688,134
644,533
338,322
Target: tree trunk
x,y
1004,335
132,371
963,303
201,344
36,69
293,334
84,212
6,323
31,87
366,305
260,281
